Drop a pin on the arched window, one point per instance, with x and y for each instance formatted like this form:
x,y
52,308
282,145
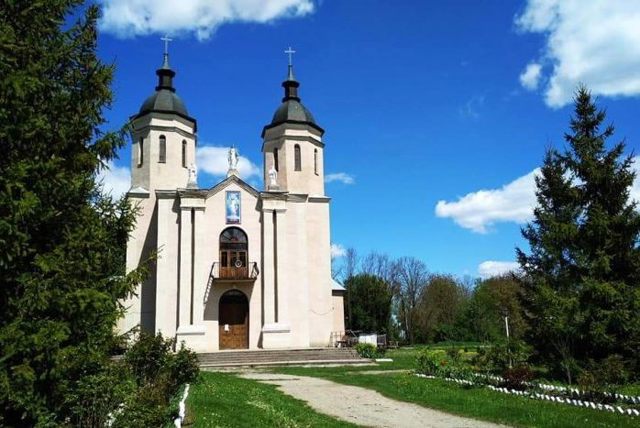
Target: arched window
x,y
315,161
141,152
162,157
234,248
275,159
297,158
184,153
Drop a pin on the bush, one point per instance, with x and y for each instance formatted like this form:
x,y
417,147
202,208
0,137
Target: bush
x,y
159,375
604,376
517,377
369,350
428,362
499,357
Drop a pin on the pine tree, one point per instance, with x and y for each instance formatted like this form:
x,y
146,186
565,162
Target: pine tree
x,y
62,256
582,276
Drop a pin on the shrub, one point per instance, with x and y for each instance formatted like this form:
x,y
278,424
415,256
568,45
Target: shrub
x,y
369,350
499,357
604,376
517,377
428,362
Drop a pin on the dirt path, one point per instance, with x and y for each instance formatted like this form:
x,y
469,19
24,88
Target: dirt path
x,y
361,406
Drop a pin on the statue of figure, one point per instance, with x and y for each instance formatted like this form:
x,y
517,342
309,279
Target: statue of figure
x,y
273,177
193,176
233,158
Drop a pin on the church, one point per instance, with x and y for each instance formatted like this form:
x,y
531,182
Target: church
x,y
235,267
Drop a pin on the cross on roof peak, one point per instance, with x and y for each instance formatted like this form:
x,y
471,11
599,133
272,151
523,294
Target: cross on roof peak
x,y
166,41
290,52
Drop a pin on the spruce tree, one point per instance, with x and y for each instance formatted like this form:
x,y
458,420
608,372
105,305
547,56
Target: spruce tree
x,y
582,275
62,241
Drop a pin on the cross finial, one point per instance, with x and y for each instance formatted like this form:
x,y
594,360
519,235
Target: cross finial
x,y
290,52
166,41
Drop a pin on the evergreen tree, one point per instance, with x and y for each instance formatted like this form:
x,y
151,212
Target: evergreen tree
x,y
62,256
368,303
582,276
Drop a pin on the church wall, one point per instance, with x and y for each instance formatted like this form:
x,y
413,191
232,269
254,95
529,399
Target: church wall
x,y
153,174
167,265
140,245
338,311
320,285
208,252
293,273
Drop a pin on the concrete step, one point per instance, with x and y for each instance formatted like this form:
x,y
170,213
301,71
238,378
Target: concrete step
x,y
280,357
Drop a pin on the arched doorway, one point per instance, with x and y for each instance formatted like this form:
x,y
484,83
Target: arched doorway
x,y
234,248
233,320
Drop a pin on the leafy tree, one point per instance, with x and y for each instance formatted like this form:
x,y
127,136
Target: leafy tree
x,y
62,258
368,303
582,276
439,307
483,316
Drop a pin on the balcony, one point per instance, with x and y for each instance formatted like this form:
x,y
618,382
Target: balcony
x,y
240,273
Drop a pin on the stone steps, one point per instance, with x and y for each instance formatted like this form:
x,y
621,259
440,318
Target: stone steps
x,y
248,358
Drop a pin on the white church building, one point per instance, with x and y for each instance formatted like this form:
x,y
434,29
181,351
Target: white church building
x,y
236,267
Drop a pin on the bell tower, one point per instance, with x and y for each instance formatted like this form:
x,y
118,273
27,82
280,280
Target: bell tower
x,y
164,137
292,145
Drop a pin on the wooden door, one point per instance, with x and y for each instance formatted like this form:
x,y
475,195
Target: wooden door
x,y
233,321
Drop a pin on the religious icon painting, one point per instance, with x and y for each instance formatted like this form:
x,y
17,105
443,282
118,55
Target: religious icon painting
x,y
232,207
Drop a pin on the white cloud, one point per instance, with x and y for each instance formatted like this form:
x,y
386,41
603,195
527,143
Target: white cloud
x,y
530,77
116,180
472,107
480,210
130,18
213,160
338,250
594,42
342,177
494,268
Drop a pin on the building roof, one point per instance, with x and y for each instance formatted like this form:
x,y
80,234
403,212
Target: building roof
x,y
292,110
165,99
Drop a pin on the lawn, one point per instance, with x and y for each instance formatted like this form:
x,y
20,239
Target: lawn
x,y
225,400
478,403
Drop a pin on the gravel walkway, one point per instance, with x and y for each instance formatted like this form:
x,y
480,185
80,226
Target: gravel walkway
x,y
361,406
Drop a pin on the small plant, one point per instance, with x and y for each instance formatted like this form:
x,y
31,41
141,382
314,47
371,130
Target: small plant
x,y
517,377
369,350
428,362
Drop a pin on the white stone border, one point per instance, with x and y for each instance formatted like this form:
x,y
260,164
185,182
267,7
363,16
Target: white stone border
x,y
538,396
182,408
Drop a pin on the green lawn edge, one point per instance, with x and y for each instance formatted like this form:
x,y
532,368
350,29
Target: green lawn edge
x,y
225,400
477,403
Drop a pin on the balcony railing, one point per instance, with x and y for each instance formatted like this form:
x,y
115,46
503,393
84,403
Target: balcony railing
x,y
249,272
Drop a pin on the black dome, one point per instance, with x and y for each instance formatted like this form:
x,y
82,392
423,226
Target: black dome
x,y
292,110
164,101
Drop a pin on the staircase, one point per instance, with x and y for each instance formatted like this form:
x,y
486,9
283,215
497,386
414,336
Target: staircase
x,y
255,358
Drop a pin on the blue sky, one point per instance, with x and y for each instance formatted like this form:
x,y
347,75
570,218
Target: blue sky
x,y
436,113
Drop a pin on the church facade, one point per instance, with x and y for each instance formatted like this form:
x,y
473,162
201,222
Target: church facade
x,y
235,267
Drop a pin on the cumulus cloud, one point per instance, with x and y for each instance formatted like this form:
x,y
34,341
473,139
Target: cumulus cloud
x,y
513,202
116,180
530,77
338,250
214,160
593,42
480,210
130,18
342,177
495,268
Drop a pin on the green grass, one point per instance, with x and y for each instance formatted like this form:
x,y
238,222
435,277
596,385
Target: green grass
x,y
478,403
225,400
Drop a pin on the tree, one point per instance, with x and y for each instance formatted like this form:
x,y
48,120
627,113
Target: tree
x,y
492,300
412,276
368,303
439,306
62,259
582,276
